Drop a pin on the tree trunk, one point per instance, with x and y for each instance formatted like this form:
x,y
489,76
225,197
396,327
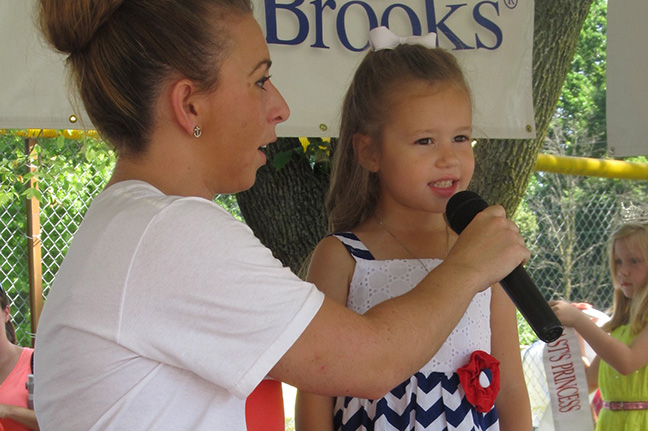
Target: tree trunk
x,y
285,207
503,166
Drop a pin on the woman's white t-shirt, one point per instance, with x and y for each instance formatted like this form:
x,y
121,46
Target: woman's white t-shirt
x,y
166,313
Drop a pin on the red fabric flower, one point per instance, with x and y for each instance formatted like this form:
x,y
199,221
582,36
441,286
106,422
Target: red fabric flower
x,y
480,379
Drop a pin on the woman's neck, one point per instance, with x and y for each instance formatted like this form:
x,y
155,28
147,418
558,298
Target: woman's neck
x,y
165,177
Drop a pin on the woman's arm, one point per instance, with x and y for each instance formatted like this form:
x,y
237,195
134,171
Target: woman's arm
x,y
513,406
331,270
623,358
341,352
21,415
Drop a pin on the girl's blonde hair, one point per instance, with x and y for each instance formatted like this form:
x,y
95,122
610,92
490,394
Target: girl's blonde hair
x,y
633,311
353,192
122,52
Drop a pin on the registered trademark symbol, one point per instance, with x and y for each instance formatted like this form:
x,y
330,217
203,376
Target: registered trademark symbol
x,y
511,4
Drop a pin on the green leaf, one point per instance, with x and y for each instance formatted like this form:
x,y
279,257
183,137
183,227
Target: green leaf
x,y
31,175
33,193
281,159
5,198
90,154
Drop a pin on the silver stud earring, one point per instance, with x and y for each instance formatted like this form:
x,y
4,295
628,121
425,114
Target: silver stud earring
x,y
197,131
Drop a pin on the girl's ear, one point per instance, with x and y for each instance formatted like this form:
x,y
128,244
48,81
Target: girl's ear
x,y
367,152
184,102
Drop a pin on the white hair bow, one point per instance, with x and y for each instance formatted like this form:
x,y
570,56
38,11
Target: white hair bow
x,y
383,38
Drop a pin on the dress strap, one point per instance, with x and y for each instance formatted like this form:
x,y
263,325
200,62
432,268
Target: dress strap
x,y
354,246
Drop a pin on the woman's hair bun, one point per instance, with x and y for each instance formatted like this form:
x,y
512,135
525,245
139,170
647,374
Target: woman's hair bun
x,y
70,25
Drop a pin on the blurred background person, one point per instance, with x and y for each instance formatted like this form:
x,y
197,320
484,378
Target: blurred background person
x,y
15,367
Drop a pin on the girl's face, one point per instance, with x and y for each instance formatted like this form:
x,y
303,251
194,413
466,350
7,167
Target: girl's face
x,y
426,152
630,265
241,114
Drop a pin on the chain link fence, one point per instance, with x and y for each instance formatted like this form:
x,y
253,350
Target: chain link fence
x,y
565,220
68,174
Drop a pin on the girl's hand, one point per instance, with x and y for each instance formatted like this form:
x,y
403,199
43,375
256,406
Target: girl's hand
x,y
567,313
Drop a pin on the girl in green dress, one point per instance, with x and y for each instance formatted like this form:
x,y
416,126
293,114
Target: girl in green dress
x,y
620,368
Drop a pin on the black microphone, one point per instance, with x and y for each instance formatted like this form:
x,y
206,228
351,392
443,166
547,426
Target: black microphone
x,y
460,210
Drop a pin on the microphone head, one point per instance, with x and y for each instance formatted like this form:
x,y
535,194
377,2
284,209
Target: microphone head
x,y
462,208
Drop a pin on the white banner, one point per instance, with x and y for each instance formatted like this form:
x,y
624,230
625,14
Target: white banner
x,y
567,383
627,80
32,82
315,47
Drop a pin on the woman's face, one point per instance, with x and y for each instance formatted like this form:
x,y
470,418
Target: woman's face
x,y
241,114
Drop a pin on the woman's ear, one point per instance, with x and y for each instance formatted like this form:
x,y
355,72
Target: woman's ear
x,y
366,151
184,103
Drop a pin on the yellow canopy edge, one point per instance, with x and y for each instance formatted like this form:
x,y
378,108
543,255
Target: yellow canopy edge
x,y
567,165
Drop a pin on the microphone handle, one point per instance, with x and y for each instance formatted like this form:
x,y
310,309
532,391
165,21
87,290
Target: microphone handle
x,y
532,305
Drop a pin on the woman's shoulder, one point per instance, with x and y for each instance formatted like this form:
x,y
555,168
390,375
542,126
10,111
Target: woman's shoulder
x,y
25,359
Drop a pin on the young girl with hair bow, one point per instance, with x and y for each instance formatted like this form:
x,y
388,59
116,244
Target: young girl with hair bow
x,y
405,148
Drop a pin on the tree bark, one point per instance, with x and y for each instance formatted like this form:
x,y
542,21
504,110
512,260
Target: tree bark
x,y
285,207
503,166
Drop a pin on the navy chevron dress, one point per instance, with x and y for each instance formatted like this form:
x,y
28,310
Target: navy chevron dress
x,y
432,399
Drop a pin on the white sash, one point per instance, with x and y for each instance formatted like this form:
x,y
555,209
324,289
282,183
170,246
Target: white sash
x,y
567,383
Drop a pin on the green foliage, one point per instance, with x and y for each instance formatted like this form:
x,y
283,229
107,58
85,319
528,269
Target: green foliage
x,y
525,333
566,219
582,102
69,174
317,150
12,167
230,204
